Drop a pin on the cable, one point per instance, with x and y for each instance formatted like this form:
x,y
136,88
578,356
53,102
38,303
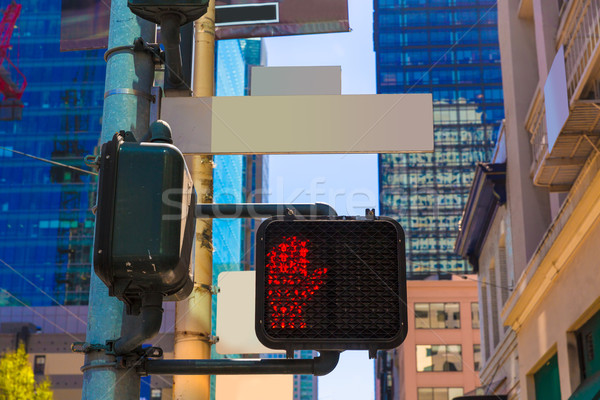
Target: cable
x,y
42,291
483,282
41,315
50,161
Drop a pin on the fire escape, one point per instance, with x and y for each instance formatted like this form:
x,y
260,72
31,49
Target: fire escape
x,y
12,80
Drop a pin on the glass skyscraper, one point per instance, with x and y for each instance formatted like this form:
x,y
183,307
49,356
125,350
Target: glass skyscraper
x,y
46,219
236,177
46,222
448,48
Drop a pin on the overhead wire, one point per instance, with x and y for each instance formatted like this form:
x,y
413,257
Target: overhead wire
x,y
43,292
40,315
50,161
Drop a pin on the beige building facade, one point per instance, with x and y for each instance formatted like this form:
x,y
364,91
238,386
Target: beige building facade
x,y
532,223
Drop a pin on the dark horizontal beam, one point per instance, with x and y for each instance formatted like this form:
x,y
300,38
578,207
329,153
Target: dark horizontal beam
x,y
262,210
319,366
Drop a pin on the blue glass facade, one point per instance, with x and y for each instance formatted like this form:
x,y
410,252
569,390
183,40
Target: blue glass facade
x,y
46,223
235,176
448,48
229,184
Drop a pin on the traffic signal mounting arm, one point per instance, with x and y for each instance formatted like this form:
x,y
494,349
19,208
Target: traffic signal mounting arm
x,y
319,366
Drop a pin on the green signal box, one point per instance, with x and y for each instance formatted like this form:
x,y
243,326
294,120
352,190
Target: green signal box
x,y
145,221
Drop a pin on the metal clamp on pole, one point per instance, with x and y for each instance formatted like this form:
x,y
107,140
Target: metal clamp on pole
x,y
319,366
262,210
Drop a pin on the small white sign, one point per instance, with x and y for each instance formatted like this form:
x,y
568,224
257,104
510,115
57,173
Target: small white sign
x,y
296,81
235,315
556,98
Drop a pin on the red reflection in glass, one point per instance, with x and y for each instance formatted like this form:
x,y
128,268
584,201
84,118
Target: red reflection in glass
x,y
290,285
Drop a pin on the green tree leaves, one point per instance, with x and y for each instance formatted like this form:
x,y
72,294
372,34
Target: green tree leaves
x,y
17,381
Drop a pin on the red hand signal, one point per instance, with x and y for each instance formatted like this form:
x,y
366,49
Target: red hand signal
x,y
290,285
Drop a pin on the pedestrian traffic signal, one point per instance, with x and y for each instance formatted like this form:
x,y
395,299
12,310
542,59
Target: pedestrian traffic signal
x,y
330,283
145,221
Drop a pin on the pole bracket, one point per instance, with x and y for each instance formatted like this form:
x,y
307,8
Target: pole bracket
x,y
139,44
85,347
212,289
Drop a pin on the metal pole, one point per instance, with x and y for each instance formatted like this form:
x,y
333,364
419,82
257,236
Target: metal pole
x,y
129,78
193,315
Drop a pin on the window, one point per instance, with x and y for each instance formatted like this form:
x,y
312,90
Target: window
x,y
438,393
475,315
477,356
156,394
439,358
467,18
489,35
437,315
588,342
39,365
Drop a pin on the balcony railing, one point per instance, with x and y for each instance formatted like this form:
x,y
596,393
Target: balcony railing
x,y
579,33
536,126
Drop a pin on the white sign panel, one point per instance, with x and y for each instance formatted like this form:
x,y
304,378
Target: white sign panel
x,y
235,314
285,81
383,123
556,98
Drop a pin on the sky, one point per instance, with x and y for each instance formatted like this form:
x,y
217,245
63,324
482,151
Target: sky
x,y
346,181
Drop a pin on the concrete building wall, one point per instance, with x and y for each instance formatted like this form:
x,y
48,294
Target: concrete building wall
x,y
457,290
548,233
561,289
499,371
520,80
569,302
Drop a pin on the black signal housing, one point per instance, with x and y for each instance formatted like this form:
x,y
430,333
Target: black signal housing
x,y
331,283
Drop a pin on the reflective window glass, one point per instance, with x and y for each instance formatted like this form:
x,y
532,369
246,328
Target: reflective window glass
x,y
453,358
425,394
437,315
452,315
475,315
438,358
477,356
466,17
424,358
440,394
454,392
421,315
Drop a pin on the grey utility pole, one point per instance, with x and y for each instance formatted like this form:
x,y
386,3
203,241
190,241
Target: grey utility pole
x,y
129,79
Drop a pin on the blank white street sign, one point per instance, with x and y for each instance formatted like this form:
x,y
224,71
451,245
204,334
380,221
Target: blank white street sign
x,y
297,81
235,314
383,123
